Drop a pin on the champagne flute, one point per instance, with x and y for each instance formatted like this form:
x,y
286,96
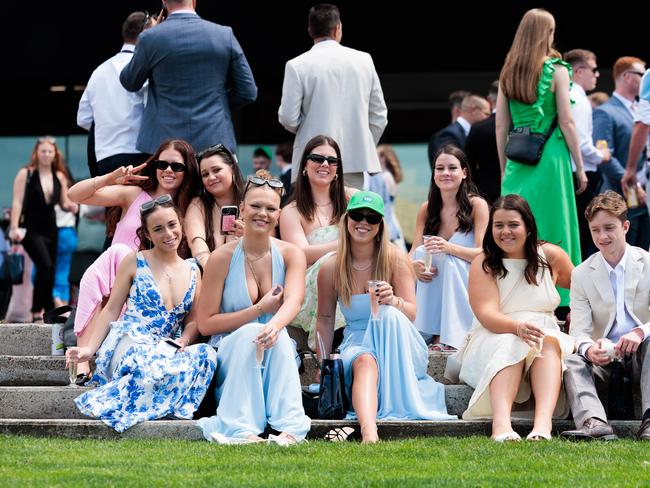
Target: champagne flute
x,y
538,347
428,256
373,286
72,373
259,351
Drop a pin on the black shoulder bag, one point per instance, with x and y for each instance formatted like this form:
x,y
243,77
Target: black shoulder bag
x,y
332,401
526,147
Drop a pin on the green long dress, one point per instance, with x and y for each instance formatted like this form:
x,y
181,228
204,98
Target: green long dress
x,y
548,187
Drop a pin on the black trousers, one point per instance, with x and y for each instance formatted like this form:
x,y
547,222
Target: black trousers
x,y
111,163
587,246
41,248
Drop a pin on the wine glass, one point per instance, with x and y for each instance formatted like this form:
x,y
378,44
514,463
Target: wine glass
x,y
538,347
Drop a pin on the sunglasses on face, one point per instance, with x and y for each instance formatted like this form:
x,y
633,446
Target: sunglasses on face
x,y
635,73
148,206
162,165
320,159
216,149
589,68
372,218
273,183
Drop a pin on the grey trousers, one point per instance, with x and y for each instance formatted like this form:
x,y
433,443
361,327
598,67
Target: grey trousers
x,y
582,380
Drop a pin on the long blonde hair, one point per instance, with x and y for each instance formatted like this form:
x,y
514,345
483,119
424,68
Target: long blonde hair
x,y
385,257
530,48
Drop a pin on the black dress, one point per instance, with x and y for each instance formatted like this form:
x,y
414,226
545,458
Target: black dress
x,y
40,240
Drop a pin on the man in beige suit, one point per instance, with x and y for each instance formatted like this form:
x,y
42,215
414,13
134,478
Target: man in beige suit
x,y
334,91
610,317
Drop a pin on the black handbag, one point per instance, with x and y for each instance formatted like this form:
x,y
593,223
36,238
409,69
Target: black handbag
x,y
526,147
332,401
11,271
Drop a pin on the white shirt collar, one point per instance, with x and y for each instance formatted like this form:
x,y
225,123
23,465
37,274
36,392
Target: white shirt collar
x,y
579,89
184,11
286,169
627,103
621,263
128,47
464,124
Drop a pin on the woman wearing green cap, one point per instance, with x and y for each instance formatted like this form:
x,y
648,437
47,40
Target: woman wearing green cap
x,y
384,357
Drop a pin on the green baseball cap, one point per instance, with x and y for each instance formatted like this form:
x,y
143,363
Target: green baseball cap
x,y
366,199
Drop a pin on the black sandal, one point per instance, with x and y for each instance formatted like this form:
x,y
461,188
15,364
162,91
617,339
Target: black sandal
x,y
83,379
339,434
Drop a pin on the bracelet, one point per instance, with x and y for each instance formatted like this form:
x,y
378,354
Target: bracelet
x,y
400,303
259,309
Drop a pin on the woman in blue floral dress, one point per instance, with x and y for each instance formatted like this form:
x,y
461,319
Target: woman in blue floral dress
x,y
140,375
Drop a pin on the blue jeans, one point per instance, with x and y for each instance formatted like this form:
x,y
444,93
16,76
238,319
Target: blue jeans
x,y
66,246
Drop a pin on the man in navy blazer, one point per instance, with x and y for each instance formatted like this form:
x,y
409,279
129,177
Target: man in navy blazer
x,y
474,108
613,122
196,71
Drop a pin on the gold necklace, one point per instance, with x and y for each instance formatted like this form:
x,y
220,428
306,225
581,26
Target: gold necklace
x,y
361,269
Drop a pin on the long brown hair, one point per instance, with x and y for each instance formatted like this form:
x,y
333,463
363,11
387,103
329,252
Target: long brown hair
x,y
465,191
207,200
143,234
530,48
386,255
183,195
392,161
303,195
494,255
58,164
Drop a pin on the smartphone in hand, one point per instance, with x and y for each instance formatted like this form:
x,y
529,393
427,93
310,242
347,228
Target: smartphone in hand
x,y
229,214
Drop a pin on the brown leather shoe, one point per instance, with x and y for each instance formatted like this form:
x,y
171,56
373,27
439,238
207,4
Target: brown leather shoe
x,y
643,434
593,429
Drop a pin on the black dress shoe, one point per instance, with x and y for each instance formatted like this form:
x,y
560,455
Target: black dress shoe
x,y
643,434
593,429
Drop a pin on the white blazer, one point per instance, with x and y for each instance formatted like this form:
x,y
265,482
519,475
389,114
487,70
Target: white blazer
x,y
593,304
334,91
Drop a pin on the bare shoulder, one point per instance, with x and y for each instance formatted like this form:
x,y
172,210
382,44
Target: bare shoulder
x,y
349,191
287,249
423,208
478,203
553,252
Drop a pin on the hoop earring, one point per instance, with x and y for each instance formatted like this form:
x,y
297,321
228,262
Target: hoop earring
x,y
336,176
304,172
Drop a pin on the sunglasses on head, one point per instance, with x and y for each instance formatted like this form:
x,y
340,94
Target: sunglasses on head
x,y
371,217
320,159
148,206
216,149
273,183
162,165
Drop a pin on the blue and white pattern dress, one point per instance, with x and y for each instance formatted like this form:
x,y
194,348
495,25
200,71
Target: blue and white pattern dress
x,y
136,382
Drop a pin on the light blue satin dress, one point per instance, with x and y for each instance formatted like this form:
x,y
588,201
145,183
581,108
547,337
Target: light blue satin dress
x,y
443,304
249,398
404,389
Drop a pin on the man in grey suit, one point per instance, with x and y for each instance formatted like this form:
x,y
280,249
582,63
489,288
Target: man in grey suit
x,y
613,122
335,91
610,318
196,71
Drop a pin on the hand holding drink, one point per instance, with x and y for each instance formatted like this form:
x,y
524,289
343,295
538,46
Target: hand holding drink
x,y
373,290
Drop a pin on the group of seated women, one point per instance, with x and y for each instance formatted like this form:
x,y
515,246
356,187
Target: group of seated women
x,y
174,278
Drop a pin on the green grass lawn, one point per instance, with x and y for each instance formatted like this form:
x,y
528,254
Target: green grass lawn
x,y
418,462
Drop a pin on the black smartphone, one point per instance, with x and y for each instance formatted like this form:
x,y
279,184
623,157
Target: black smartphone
x,y
173,343
229,214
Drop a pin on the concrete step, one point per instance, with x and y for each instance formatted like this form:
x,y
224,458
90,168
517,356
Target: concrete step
x,y
56,402
186,429
25,339
33,371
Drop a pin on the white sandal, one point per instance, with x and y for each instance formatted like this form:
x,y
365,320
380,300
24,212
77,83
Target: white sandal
x,y
511,436
538,436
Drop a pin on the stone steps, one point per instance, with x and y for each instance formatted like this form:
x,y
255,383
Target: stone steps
x,y
25,340
186,430
56,402
50,370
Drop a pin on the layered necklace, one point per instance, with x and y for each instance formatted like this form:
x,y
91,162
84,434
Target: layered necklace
x,y
250,262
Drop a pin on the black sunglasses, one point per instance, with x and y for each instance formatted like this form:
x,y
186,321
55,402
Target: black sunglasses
x,y
372,218
216,149
273,183
635,72
320,159
593,70
162,165
148,206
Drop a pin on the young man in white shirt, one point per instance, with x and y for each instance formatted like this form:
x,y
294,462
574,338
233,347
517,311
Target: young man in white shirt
x,y
585,77
610,318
